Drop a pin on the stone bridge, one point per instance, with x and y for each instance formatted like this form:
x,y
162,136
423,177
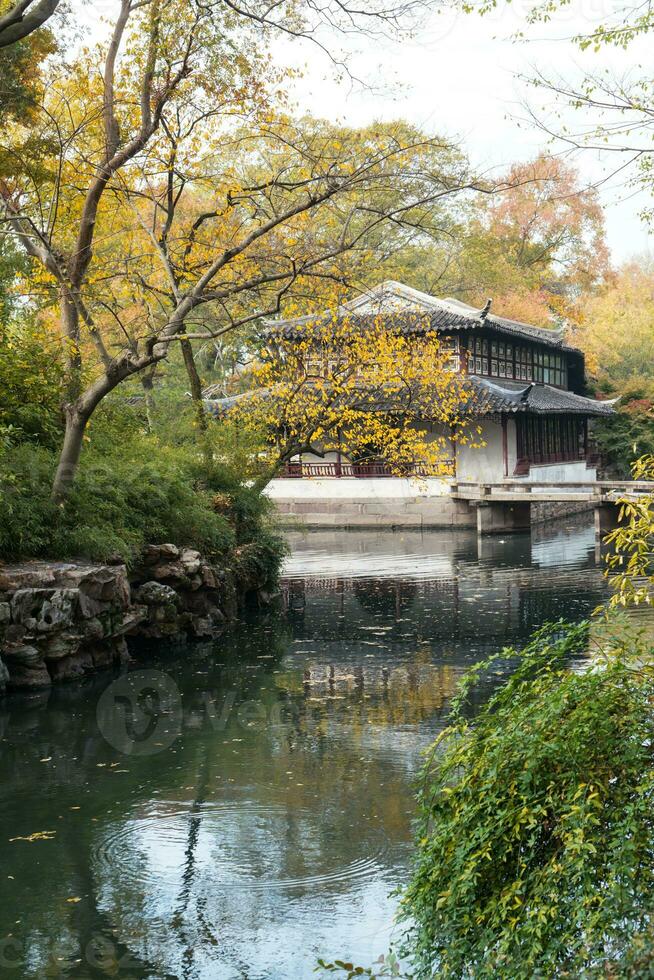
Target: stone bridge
x,y
513,505
491,508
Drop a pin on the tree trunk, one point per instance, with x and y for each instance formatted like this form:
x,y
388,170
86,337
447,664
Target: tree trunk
x,y
70,329
147,382
196,384
70,453
18,23
79,412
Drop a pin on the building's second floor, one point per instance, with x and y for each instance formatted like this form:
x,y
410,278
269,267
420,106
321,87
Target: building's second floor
x,y
479,342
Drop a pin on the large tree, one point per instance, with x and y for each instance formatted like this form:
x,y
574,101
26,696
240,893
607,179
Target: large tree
x,y
537,247
176,183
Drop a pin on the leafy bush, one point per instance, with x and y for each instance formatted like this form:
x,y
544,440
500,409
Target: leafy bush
x,y
27,515
115,507
30,385
535,847
258,561
137,491
630,558
629,433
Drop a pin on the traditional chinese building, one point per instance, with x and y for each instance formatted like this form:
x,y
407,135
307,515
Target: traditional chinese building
x,y
527,389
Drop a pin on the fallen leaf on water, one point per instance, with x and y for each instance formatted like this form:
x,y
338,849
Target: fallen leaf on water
x,y
39,835
74,900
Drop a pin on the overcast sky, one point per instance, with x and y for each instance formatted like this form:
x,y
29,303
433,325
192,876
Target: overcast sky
x,y
458,77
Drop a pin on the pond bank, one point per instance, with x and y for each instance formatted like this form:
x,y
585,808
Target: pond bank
x,y
62,620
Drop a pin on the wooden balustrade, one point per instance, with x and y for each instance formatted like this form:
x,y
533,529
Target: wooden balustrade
x,y
365,470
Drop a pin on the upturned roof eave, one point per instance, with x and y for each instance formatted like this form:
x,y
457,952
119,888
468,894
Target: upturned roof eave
x,y
454,314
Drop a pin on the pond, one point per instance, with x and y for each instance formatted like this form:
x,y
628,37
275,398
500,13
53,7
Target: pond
x,y
239,808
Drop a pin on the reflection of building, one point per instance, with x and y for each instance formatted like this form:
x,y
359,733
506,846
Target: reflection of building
x,y
526,387
432,592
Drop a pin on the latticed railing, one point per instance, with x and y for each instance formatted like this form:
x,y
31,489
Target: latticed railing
x,y
366,470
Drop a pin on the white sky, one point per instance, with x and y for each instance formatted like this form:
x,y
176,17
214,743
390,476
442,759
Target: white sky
x,y
458,78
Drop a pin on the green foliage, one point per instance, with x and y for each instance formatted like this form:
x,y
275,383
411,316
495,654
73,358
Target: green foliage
x,y
535,849
131,489
118,504
258,561
31,378
27,515
386,966
627,435
630,562
12,263
22,64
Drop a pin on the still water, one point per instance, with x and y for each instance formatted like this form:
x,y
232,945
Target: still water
x,y
261,815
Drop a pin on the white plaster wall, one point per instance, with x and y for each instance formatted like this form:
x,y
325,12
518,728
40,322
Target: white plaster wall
x,y
484,464
351,488
576,472
331,457
512,445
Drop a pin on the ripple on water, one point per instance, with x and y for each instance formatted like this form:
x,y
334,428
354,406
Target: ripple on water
x,y
320,564
212,894
230,845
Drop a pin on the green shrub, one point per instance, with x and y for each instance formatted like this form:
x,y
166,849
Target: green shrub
x,y
627,435
27,515
132,487
30,385
119,502
258,561
535,844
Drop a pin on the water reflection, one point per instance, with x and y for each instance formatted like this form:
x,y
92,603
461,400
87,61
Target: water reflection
x,y
276,825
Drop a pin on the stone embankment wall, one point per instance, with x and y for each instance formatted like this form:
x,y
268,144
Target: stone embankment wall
x,y
62,620
550,511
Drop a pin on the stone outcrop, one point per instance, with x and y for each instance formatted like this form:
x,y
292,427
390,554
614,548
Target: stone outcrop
x,y
178,592
59,620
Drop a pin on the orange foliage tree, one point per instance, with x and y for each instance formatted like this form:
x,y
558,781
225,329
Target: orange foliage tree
x,y
538,247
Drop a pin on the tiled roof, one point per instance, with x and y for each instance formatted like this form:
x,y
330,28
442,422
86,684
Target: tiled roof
x,y
538,399
487,398
412,312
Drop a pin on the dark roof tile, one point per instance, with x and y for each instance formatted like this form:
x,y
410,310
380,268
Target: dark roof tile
x,y
414,313
486,398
